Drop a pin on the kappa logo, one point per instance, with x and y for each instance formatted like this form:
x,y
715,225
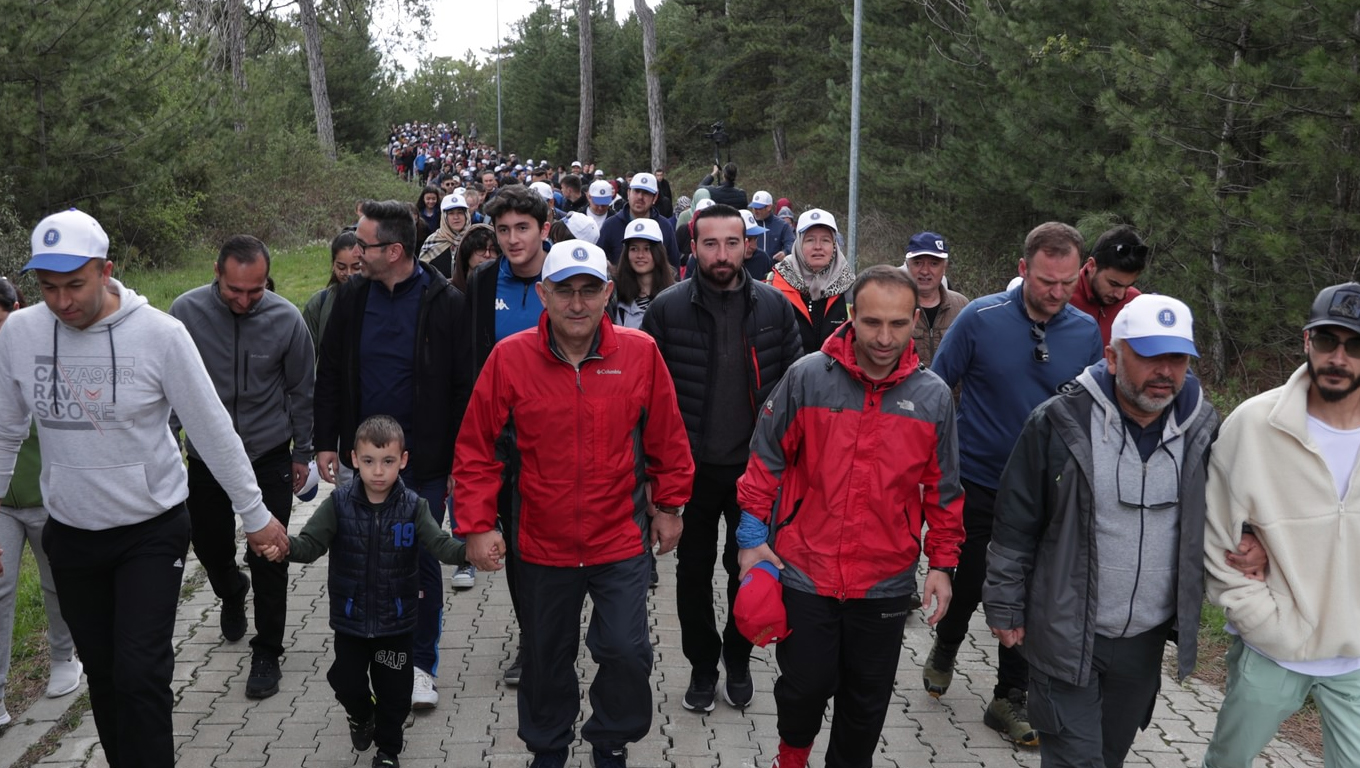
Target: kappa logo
x,y
501,305
51,237
1166,317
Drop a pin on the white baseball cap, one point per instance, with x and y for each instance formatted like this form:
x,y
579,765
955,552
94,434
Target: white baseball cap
x,y
816,218
64,241
762,199
643,181
601,192
753,228
1154,324
575,257
643,229
582,227
544,190
705,203
452,201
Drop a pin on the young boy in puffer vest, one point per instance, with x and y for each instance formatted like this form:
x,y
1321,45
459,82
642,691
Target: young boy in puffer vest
x,y
374,525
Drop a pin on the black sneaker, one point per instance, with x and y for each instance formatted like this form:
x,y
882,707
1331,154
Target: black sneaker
x,y
234,613
739,688
516,668
608,758
702,691
554,759
656,577
361,734
264,677
384,760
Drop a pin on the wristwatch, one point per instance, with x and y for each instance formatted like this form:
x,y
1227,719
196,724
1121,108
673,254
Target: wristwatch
x,y
943,569
677,511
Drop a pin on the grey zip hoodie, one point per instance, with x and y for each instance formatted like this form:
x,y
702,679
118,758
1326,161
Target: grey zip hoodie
x,y
102,398
261,364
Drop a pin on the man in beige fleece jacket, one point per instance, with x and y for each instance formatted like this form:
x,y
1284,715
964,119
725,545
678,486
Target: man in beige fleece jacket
x,y
1283,464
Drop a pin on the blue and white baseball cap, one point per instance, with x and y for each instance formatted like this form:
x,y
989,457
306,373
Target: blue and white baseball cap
x,y
601,192
816,218
642,229
643,181
762,199
927,244
65,241
452,201
1153,324
753,228
575,257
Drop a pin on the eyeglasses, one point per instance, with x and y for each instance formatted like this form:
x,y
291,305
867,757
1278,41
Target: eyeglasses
x,y
1039,333
565,294
1142,488
363,247
1327,344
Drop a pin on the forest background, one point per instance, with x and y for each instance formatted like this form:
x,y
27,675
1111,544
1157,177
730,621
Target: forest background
x,y
1224,131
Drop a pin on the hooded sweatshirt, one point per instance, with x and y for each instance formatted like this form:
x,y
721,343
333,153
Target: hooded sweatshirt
x,y
102,398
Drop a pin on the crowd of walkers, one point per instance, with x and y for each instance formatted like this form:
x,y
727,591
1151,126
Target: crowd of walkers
x,y
547,371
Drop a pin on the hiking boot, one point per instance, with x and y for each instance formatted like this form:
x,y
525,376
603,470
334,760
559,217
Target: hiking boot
x,y
464,578
938,671
361,734
264,677
702,690
516,668
791,757
64,677
608,758
1010,716
423,694
234,613
739,688
554,759
384,760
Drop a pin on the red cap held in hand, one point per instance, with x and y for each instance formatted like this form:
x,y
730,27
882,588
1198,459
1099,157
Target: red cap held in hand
x,y
760,606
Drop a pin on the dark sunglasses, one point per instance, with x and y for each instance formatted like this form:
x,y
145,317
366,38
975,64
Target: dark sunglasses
x,y
1039,334
1327,344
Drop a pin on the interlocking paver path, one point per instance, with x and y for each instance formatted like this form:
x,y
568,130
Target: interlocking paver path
x,y
474,725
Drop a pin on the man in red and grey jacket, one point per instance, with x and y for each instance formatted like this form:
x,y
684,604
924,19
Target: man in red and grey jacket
x,y
855,449
580,418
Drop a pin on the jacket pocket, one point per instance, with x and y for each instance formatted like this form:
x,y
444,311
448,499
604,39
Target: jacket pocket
x,y
100,497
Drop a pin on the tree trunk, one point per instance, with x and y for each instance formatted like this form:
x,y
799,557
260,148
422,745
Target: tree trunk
x,y
656,105
781,145
234,45
316,73
1218,289
586,124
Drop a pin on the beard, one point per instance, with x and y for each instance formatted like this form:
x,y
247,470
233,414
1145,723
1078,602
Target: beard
x,y
1145,402
1332,395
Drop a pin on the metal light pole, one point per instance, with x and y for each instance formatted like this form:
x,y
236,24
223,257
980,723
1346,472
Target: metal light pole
x,y
852,233
499,130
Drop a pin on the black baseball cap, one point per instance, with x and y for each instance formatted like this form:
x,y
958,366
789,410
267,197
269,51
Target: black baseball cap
x,y
1336,305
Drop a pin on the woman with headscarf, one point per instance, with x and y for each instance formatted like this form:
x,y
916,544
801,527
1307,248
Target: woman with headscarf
x,y
441,246
815,279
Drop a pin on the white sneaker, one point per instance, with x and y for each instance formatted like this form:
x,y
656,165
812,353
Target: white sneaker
x,y
464,578
64,678
423,694
4,713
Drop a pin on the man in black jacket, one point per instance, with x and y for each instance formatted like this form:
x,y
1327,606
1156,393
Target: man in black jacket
x,y
727,192
727,341
395,346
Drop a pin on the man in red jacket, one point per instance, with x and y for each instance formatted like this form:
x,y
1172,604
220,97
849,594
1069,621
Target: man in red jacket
x,y
852,452
1107,277
580,418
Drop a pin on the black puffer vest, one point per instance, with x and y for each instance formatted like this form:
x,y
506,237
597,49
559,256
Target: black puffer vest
x,y
374,580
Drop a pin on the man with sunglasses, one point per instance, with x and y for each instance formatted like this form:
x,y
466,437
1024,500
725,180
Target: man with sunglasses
x,y
1105,285
395,345
1006,353
1283,463
1096,557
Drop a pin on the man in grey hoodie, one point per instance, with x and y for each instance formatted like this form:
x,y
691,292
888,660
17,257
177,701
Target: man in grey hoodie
x,y
1097,550
99,370
258,352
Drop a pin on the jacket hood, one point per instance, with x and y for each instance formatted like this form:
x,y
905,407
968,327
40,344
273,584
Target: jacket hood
x,y
1099,381
840,346
129,301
